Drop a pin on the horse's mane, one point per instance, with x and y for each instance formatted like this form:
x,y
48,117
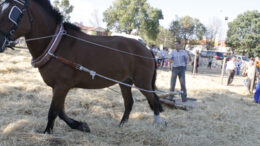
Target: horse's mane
x,y
55,13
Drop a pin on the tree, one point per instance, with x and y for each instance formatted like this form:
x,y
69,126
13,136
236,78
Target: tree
x,y
65,8
95,19
187,28
129,15
164,38
212,30
244,34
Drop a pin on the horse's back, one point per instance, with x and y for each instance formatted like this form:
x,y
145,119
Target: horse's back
x,y
111,56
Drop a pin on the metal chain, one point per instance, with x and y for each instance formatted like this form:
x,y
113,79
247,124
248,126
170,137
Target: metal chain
x,y
93,74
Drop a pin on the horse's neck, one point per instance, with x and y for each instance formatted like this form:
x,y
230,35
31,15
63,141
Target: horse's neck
x,y
43,25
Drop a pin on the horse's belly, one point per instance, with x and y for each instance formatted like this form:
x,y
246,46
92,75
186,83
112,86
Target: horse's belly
x,y
98,83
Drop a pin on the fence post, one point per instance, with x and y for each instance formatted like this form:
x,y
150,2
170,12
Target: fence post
x,y
253,79
195,63
223,69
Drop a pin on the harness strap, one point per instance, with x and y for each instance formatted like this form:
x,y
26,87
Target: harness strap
x,y
50,50
67,62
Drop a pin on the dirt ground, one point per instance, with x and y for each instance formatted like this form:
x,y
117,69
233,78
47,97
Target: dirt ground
x,y
225,115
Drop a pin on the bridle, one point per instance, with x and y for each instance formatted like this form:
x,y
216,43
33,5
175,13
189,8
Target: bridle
x,y
15,16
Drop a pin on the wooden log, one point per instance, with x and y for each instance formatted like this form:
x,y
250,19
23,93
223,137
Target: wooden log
x,y
172,104
195,63
223,69
253,80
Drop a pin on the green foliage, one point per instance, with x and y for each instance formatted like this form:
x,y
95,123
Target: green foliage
x,y
187,28
164,38
129,15
65,8
244,34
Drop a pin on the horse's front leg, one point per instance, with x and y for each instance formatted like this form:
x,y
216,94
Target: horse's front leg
x,y
81,126
57,104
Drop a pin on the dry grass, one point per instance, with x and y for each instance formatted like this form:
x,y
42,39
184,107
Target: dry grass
x,y
224,116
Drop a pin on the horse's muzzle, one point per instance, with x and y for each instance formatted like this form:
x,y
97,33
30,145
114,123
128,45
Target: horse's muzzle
x,y
3,43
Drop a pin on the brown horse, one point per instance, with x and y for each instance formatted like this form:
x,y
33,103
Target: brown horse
x,y
37,18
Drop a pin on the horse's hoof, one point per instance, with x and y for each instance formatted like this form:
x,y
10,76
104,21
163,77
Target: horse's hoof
x,y
83,127
48,131
161,124
159,121
122,123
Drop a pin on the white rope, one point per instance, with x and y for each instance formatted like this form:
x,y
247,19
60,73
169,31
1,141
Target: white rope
x,y
40,38
83,40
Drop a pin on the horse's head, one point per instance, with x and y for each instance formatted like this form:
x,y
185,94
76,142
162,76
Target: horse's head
x,y
13,21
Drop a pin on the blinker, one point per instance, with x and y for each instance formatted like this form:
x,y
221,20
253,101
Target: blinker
x,y
15,14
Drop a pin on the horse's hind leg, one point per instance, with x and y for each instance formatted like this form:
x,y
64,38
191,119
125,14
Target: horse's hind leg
x,y
57,104
155,106
128,101
145,82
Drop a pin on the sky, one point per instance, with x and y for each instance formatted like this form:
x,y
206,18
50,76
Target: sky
x,y
205,10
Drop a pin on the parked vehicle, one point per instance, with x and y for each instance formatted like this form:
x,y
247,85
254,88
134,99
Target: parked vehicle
x,y
138,38
243,58
207,54
239,57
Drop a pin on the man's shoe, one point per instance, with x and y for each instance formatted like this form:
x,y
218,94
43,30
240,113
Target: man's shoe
x,y
184,100
171,98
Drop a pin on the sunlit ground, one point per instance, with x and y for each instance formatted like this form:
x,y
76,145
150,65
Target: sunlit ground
x,y
225,115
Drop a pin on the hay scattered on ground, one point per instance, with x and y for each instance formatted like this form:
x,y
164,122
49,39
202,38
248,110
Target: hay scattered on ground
x,y
224,116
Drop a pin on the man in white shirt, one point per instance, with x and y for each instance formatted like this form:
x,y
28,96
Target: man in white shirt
x,y
231,67
179,59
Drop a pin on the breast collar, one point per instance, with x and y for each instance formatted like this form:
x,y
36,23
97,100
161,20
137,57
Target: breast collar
x,y
50,50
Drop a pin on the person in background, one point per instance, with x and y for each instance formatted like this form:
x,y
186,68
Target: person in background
x,y
257,63
244,74
231,67
257,92
179,59
238,65
163,56
155,51
210,62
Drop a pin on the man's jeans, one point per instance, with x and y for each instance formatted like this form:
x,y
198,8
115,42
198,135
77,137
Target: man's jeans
x,y
180,72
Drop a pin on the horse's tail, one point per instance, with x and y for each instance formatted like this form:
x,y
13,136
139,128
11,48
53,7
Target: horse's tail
x,y
153,83
154,73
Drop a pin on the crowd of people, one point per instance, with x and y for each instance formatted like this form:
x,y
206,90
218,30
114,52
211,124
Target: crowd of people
x,y
178,59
